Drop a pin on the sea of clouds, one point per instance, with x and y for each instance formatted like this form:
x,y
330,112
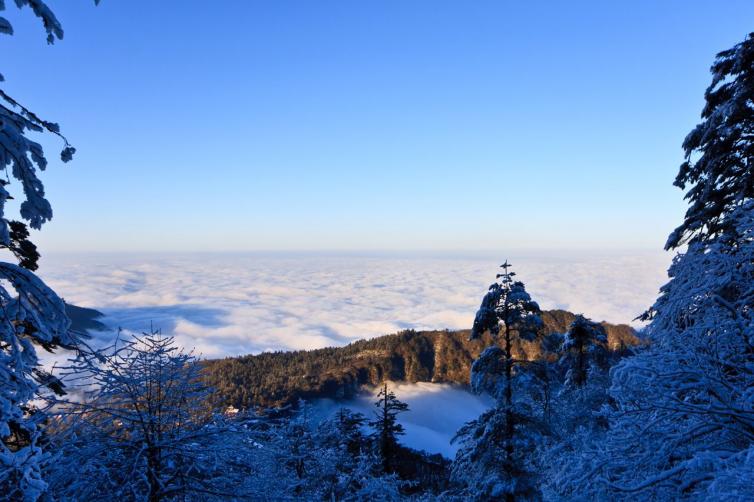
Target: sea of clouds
x,y
231,304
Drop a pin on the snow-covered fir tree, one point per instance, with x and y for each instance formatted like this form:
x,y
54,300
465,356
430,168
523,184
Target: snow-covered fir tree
x,y
540,380
31,314
718,172
349,426
580,382
584,350
308,456
360,469
140,429
683,423
493,462
34,315
320,459
685,413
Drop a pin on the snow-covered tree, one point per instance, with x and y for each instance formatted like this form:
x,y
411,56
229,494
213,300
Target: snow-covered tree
x,y
309,455
347,427
686,403
720,150
359,473
584,350
540,379
20,156
30,312
683,422
492,461
579,379
372,483
386,426
140,428
305,457
33,316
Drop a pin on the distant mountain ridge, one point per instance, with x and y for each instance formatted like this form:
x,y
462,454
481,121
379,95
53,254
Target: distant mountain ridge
x,y
280,378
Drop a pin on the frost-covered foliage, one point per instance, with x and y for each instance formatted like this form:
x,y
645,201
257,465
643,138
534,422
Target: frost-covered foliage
x,y
20,156
493,462
576,426
540,381
33,316
719,151
30,313
584,350
685,404
313,459
681,420
312,470
140,429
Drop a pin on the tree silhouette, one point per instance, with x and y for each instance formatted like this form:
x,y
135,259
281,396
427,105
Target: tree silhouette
x,y
387,428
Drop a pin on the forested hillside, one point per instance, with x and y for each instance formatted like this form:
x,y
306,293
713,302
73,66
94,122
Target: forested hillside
x,y
279,378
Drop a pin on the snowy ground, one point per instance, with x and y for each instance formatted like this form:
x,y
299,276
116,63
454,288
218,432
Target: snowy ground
x,y
230,304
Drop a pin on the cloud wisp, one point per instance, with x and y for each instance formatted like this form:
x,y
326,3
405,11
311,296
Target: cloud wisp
x,y
436,412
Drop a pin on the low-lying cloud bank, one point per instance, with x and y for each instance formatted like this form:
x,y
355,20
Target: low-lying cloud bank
x,y
436,412
231,304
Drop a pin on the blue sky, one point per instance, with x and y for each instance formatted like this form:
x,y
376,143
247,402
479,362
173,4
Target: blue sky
x,y
338,125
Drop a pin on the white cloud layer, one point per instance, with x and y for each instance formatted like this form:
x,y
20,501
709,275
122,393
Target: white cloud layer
x,y
230,304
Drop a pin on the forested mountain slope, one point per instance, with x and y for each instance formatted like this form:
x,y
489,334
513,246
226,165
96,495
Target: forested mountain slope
x,y
84,320
279,378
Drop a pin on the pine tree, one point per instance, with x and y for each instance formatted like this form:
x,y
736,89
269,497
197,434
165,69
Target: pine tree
x,y
31,314
541,378
349,427
492,460
387,428
683,419
718,169
683,412
584,349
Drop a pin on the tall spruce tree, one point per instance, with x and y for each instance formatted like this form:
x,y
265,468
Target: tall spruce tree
x,y
583,350
492,460
719,170
386,426
683,423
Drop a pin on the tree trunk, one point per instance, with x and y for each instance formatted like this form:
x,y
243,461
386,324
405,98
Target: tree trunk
x,y
153,477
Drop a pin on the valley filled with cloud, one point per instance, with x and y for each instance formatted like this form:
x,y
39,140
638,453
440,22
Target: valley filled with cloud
x,y
425,428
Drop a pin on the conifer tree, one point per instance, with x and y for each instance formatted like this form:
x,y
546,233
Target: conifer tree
x,y
542,376
492,460
31,314
386,425
683,420
583,349
349,425
719,166
144,430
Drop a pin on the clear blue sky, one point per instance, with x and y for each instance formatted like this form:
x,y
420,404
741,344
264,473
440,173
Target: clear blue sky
x,y
383,125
